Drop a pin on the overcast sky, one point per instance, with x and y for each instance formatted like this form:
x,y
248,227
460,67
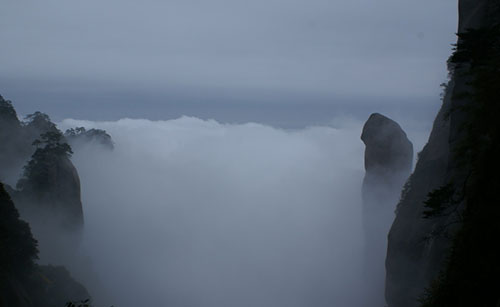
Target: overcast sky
x,y
105,59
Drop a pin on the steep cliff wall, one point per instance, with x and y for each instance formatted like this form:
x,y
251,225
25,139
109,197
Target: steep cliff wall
x,y
419,248
413,257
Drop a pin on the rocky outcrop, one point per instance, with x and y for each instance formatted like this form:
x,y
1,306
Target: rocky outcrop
x,y
388,152
418,247
388,162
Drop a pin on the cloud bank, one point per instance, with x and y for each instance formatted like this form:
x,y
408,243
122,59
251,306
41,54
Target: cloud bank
x,y
189,212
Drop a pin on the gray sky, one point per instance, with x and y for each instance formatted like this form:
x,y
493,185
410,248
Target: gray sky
x,y
160,59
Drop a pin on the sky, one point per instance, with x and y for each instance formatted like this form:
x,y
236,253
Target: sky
x,y
237,169
286,63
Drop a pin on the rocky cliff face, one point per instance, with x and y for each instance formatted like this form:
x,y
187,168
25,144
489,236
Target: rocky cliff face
x,y
388,162
413,258
418,247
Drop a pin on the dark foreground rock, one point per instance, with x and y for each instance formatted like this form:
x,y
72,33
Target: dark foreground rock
x,y
23,283
440,246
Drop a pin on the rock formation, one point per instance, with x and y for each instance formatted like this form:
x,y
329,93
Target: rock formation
x,y
388,162
418,247
388,153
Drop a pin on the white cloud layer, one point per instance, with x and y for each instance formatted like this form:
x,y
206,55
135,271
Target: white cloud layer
x,y
189,212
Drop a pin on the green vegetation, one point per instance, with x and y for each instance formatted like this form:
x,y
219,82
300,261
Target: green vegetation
x,y
471,274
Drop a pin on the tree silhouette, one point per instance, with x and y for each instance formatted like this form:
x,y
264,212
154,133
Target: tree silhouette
x,y
51,147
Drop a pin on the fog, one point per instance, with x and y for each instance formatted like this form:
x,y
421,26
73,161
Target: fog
x,y
189,212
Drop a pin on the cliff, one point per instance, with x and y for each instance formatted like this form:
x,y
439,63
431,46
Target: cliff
x,y
47,196
437,252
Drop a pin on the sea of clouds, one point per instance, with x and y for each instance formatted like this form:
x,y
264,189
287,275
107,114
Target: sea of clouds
x,y
197,213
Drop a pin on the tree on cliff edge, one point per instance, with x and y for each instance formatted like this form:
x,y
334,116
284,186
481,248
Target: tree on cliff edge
x,y
50,148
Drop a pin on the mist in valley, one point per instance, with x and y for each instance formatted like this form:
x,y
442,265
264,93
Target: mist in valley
x,y
189,212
